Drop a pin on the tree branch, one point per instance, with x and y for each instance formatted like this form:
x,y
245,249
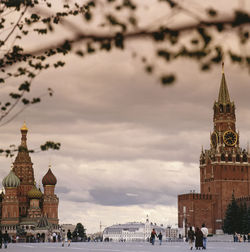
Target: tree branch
x,y
15,26
79,37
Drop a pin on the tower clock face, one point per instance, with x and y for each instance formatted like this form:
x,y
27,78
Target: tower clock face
x,y
214,139
230,138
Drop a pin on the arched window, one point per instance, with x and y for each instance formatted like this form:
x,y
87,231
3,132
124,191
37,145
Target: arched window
x,y
221,108
230,159
223,157
228,108
238,158
244,158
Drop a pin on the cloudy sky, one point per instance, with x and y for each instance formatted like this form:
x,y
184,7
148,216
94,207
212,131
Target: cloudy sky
x,y
129,145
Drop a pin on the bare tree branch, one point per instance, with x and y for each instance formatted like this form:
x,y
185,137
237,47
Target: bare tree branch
x,y
15,26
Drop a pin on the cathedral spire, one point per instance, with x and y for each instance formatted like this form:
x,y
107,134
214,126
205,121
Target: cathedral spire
x,y
22,164
224,97
24,131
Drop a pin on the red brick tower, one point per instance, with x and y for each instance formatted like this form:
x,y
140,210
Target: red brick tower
x,y
224,168
50,200
24,170
10,204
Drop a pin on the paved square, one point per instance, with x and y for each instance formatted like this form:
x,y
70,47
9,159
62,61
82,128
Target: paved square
x,y
126,247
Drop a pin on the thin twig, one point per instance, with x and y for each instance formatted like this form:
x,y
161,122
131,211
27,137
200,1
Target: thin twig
x,y
15,26
20,111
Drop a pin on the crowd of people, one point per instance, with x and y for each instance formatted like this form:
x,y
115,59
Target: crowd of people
x,y
241,238
199,237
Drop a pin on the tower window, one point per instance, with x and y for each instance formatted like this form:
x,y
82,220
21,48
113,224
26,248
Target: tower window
x,y
228,108
230,158
222,157
237,158
244,158
221,108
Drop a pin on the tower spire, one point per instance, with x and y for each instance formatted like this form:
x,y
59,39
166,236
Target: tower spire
x,y
223,97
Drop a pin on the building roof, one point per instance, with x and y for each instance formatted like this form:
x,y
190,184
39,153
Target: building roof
x,y
49,178
223,97
34,193
43,222
11,180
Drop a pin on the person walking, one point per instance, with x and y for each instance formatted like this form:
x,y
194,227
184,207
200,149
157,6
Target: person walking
x,y
160,237
62,233
234,236
191,237
244,238
198,238
54,237
69,237
204,231
152,238
6,239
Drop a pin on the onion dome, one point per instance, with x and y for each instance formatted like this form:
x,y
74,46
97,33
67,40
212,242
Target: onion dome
x,y
11,180
49,178
34,193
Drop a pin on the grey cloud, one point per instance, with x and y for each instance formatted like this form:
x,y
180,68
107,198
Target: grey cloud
x,y
62,189
121,197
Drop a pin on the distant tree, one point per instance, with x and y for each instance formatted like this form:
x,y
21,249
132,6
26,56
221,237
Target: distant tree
x,y
237,218
243,218
248,221
79,232
231,221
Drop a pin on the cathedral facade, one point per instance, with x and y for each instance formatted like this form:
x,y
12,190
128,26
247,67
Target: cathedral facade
x,y
24,208
224,170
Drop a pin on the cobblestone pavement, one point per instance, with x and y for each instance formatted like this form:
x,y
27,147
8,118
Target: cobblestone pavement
x,y
126,247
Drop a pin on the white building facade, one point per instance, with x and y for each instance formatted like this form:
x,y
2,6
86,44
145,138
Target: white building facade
x,y
132,231
173,232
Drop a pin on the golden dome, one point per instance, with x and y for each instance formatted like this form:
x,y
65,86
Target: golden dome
x,y
35,193
24,127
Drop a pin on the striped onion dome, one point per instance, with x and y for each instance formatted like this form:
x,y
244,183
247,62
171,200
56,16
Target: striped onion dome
x,y
49,178
34,193
11,180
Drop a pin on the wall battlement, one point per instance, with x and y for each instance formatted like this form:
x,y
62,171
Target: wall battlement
x,y
196,196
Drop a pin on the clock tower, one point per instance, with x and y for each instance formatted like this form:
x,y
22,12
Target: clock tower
x,y
224,170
